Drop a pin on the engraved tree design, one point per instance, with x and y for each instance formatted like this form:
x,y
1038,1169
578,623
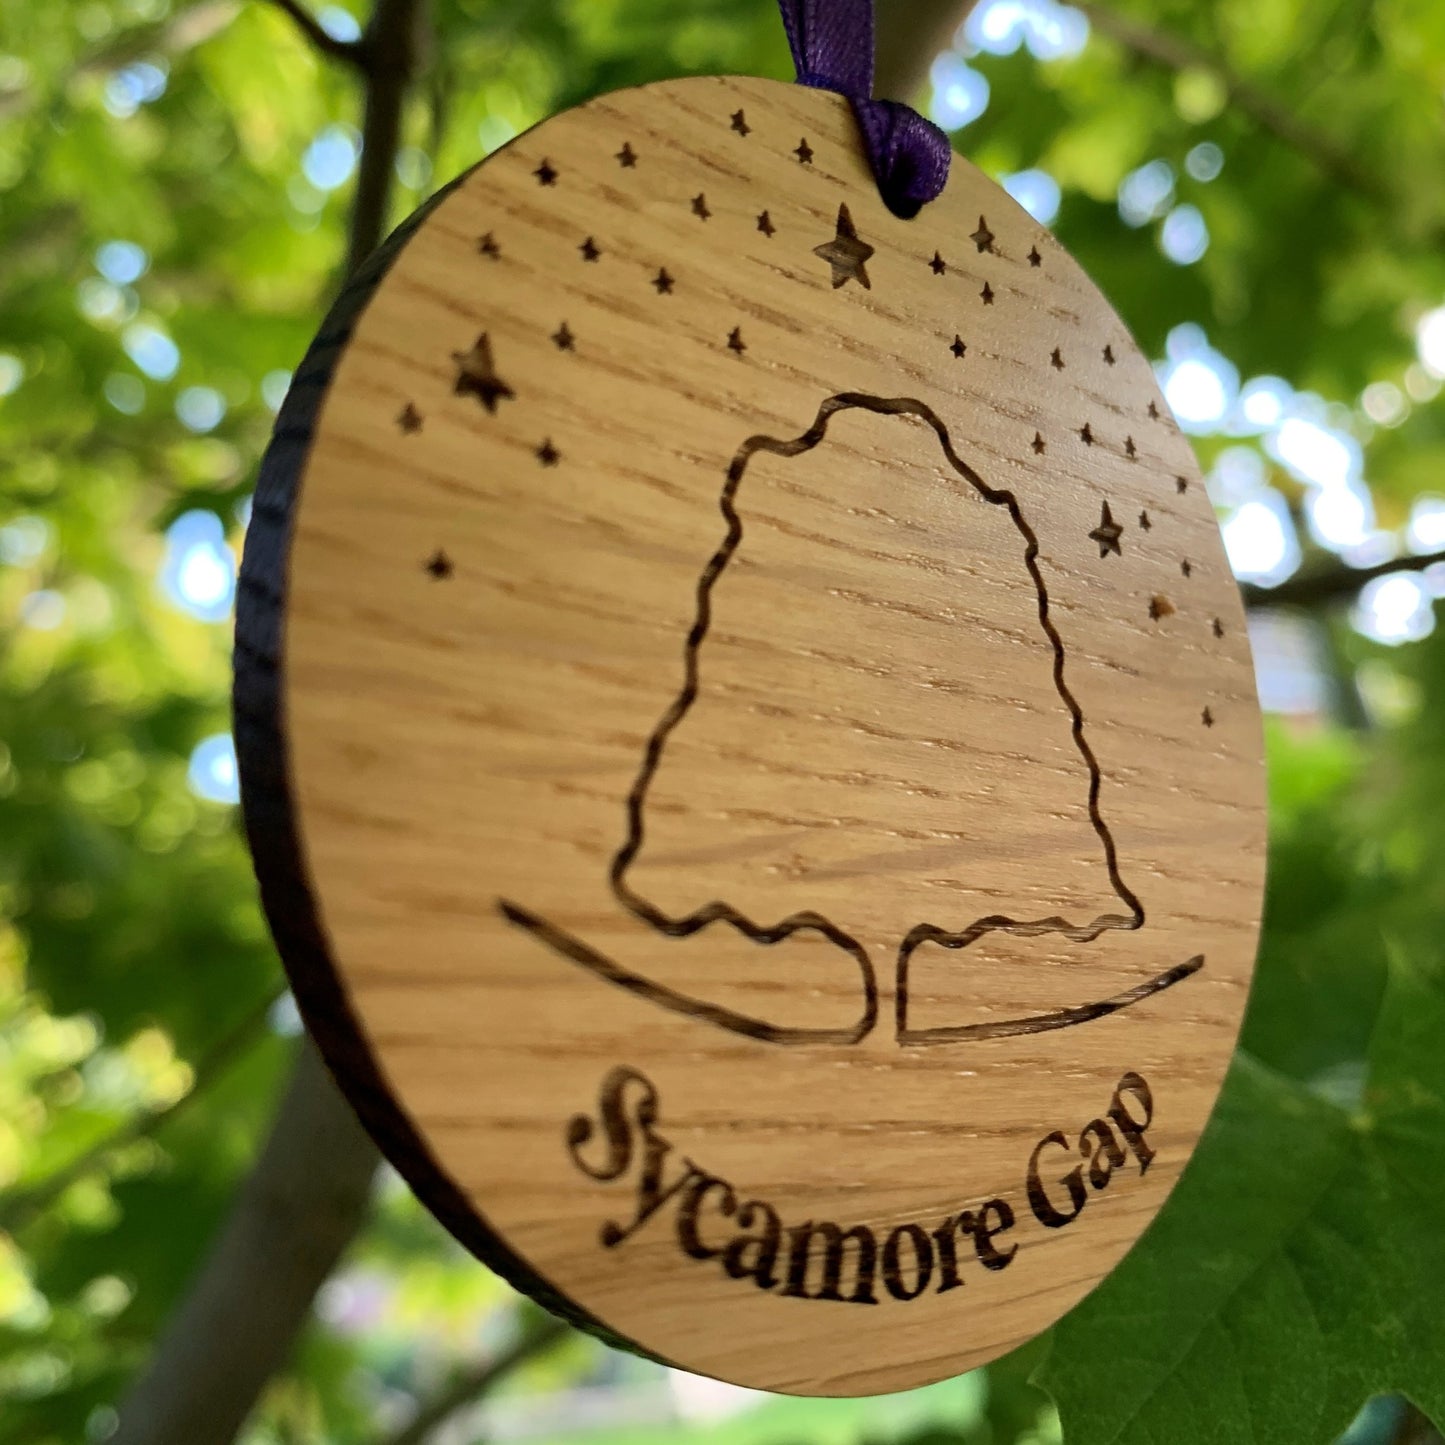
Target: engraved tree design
x,y
688,922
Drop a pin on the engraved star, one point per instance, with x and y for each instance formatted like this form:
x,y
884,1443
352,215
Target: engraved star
x,y
627,157
663,282
1109,355
740,123
699,206
439,565
409,420
983,237
958,348
1130,450
846,254
1057,360
804,152
1207,718
1038,444
1107,534
1144,521
546,173
938,264
1218,628
1187,567
1086,434
590,249
735,340
487,246
765,224
1160,607
563,338
1153,412
477,375
547,454
1034,258
1181,485
987,294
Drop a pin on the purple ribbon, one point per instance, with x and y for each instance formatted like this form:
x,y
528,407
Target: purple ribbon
x,y
832,42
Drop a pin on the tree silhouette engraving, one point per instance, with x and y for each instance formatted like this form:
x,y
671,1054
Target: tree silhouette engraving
x,y
688,923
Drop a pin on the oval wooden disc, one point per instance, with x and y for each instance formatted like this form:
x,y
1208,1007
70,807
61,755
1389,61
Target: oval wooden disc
x,y
768,822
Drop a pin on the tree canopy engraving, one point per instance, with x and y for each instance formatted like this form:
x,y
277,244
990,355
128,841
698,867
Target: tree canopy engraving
x,y
674,922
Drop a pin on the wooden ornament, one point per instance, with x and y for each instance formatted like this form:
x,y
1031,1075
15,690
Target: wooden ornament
x,y
749,740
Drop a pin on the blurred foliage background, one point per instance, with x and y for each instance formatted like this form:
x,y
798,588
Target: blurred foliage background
x,y
1258,185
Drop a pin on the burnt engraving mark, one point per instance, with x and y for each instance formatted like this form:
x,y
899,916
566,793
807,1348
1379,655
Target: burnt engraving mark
x,y
409,419
804,152
711,1220
1107,534
627,157
959,347
983,238
765,224
740,123
438,566
847,254
477,375
718,911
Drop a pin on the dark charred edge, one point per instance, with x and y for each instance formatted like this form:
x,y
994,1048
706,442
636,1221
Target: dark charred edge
x,y
570,946
718,911
270,811
1057,1019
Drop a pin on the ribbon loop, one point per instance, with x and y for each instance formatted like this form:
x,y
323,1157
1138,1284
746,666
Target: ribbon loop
x,y
832,45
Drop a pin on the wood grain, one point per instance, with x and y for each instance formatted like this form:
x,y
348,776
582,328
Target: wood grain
x,y
760,787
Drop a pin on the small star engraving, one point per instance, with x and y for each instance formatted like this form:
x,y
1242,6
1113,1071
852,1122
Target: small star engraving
x,y
1160,607
765,224
846,254
958,348
1218,628
1039,444
663,282
1181,485
987,294
983,237
439,565
1187,567
1153,412
563,339
487,246
740,123
1057,360
1034,258
1207,718
699,206
1086,435
938,265
590,249
409,420
627,157
735,340
1109,355
546,173
1107,534
804,152
547,454
477,375
1144,521
1130,450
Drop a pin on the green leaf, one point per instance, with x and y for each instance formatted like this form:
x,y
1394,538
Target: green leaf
x,y
1297,1270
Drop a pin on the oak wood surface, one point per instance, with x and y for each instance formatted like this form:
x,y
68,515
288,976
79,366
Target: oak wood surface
x,y
777,661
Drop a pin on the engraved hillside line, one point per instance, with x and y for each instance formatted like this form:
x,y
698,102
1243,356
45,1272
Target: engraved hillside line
x,y
582,953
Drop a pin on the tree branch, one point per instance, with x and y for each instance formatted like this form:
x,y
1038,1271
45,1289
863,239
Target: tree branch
x,y
1175,52
20,1208
910,35
350,51
309,1192
477,1382
302,1204
1332,584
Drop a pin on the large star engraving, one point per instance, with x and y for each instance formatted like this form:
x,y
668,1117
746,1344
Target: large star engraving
x,y
846,254
477,375
1107,534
